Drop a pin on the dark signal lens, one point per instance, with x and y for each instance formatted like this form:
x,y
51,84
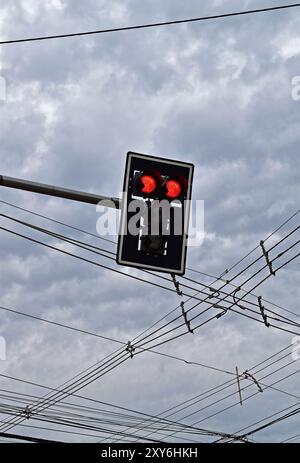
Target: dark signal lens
x,y
149,184
173,189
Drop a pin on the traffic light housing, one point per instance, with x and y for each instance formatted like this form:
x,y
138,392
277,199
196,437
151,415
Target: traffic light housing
x,y
155,213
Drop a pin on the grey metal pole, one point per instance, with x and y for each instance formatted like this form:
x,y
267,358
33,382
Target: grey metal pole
x,y
59,192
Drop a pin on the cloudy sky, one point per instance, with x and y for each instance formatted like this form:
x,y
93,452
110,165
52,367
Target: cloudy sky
x,y
215,93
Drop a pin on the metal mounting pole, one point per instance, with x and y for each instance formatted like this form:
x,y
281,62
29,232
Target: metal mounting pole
x,y
59,192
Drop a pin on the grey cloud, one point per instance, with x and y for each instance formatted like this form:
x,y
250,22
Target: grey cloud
x,y
217,94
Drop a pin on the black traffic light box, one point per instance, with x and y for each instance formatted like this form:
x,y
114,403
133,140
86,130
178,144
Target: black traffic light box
x,y
155,213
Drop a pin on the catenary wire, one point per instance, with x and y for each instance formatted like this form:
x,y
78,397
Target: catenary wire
x,y
152,25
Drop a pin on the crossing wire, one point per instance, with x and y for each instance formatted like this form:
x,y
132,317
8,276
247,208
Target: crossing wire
x,y
132,276
98,375
216,279
222,387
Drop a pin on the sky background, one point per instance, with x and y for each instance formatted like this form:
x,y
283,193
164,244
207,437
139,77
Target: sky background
x,y
217,94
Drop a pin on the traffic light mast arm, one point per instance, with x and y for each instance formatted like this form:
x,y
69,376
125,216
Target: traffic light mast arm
x,y
59,192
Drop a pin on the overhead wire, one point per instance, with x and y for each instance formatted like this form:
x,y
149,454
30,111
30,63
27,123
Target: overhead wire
x,y
152,25
226,308
251,396
79,330
183,427
292,413
237,403
95,250
271,357
223,386
102,238
286,320
290,439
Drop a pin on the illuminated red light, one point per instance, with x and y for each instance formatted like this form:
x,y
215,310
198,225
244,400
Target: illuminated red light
x,y
149,183
173,189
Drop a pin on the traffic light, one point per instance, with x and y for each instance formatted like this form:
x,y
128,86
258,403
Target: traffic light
x,y
155,213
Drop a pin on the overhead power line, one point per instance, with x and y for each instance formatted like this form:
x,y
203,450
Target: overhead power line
x,y
292,413
132,276
184,428
120,358
220,388
151,25
84,380
95,250
62,325
27,438
82,414
290,439
236,403
99,237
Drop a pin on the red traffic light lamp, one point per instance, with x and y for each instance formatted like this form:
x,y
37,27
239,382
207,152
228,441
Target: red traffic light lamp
x,y
173,189
149,184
